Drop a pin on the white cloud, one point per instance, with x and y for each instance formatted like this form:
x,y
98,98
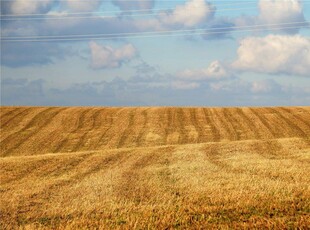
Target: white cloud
x,y
277,11
29,7
192,13
108,57
274,54
276,16
188,15
215,71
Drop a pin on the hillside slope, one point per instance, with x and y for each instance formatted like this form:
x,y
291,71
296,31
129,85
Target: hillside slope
x,y
38,130
154,168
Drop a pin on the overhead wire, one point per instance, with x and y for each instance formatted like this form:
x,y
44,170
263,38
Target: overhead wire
x,y
139,34
100,14
128,11
116,11
110,16
179,1
156,34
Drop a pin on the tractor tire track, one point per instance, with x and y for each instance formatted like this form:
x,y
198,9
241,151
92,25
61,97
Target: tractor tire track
x,y
296,117
261,118
45,130
266,149
183,139
296,129
126,133
197,125
224,125
8,116
81,143
169,125
97,165
19,117
143,131
110,121
46,115
249,124
214,131
233,133
66,140
9,127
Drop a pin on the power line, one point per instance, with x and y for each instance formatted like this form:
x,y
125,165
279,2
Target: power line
x,y
112,16
156,32
110,11
179,1
149,35
55,17
132,11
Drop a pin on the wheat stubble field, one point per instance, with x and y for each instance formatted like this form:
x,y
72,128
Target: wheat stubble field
x,y
154,168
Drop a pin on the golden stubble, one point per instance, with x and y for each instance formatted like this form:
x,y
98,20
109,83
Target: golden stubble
x,y
148,174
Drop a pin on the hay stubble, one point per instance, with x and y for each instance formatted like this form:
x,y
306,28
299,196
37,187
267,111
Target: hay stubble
x,y
154,167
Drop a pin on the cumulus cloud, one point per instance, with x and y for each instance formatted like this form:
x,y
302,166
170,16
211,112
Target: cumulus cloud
x,y
274,15
134,5
275,12
108,57
191,14
274,54
29,7
215,71
188,15
278,11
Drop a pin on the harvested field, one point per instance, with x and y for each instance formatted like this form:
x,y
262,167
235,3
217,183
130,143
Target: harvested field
x,y
29,131
156,167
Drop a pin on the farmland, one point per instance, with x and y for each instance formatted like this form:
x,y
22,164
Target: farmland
x,y
154,167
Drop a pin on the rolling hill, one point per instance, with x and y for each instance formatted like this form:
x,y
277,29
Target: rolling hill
x,y
154,167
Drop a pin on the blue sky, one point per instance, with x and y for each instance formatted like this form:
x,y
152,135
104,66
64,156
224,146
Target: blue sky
x,y
155,53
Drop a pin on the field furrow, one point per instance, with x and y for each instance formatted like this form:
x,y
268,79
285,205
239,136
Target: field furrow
x,y
14,142
45,130
144,130
265,126
17,122
8,115
196,122
210,125
127,133
290,126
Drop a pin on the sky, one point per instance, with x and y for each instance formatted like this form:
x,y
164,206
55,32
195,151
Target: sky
x,y
155,53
